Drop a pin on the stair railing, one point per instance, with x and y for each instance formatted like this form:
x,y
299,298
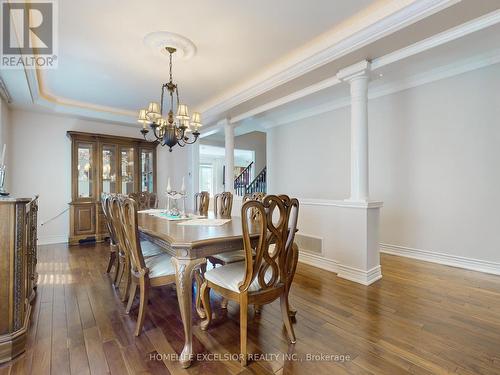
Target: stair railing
x,y
243,180
258,185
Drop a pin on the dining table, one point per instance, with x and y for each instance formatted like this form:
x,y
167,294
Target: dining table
x,y
189,245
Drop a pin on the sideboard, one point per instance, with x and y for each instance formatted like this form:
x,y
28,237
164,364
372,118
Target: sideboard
x,y
18,241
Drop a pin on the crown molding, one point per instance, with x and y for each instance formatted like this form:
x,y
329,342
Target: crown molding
x,y
329,82
444,37
457,68
436,40
330,50
41,97
402,17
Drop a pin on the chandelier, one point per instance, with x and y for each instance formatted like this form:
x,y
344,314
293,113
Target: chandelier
x,y
167,130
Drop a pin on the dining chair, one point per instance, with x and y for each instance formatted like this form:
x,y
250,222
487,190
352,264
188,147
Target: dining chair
x,y
265,276
201,202
146,272
223,204
237,255
105,201
145,200
148,248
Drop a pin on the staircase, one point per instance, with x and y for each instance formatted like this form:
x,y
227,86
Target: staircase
x,y
243,185
258,185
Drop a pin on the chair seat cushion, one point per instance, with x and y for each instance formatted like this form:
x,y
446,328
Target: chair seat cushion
x,y
150,249
160,265
231,256
229,276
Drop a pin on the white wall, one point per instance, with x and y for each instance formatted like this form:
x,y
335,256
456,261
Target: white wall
x,y
40,154
434,161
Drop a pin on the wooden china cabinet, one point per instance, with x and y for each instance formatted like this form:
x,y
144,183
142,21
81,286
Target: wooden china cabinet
x,y
105,164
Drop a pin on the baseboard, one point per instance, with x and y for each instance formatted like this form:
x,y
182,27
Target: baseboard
x,y
49,240
345,272
359,276
318,261
441,258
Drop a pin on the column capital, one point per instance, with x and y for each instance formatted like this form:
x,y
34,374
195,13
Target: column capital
x,y
224,122
349,73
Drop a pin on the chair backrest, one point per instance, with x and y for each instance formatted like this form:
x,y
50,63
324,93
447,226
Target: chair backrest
x,y
114,210
201,202
223,204
153,200
276,225
129,208
254,214
145,200
105,202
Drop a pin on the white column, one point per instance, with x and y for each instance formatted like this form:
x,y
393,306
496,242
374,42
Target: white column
x,y
357,77
229,155
357,250
194,173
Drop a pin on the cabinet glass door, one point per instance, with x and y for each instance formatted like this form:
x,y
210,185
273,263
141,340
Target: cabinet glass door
x,y
85,169
109,169
147,171
127,170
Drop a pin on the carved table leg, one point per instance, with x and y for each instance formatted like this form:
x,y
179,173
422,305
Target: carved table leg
x,y
199,276
184,282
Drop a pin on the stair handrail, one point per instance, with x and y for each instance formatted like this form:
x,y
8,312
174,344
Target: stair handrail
x,y
244,170
241,182
258,184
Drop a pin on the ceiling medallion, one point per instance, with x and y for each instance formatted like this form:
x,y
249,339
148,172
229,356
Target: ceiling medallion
x,y
160,40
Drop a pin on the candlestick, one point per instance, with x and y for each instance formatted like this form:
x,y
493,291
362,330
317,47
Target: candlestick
x,y
2,162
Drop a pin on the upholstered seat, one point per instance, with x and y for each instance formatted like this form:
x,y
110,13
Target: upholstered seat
x,y
150,249
231,256
160,265
231,275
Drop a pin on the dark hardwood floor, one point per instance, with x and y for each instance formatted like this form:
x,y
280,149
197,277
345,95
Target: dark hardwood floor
x,y
421,318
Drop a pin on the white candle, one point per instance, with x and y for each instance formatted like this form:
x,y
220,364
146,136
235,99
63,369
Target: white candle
x,y
3,155
169,188
183,188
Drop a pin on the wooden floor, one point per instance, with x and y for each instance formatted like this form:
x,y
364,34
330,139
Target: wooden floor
x,y
421,318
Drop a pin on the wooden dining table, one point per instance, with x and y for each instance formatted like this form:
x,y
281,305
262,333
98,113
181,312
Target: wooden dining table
x,y
189,246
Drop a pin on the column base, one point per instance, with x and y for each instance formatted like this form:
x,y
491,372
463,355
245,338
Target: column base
x,y
358,275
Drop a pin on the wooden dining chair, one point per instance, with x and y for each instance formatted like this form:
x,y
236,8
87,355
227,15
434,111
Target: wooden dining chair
x,y
223,204
145,200
113,248
201,202
146,272
265,276
237,255
148,248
